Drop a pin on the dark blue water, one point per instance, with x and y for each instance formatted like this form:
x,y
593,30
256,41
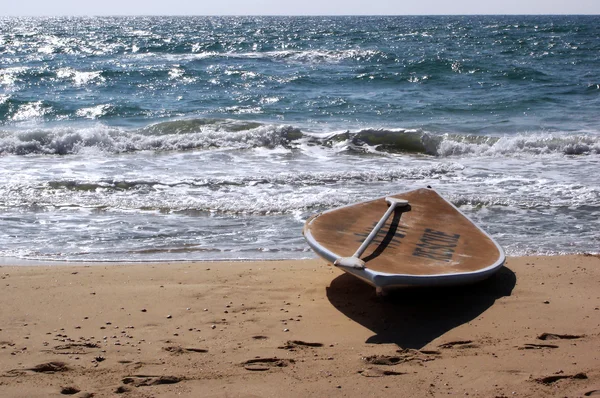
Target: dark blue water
x,y
151,138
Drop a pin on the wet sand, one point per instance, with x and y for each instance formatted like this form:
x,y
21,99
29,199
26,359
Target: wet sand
x,y
296,329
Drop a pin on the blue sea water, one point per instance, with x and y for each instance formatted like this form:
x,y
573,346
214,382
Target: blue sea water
x,y
204,138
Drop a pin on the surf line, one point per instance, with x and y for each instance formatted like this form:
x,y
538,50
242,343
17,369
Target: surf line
x,y
436,245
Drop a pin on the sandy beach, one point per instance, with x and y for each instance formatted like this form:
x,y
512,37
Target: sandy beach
x,y
297,328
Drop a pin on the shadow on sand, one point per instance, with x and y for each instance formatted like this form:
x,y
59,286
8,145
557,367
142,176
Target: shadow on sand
x,y
411,318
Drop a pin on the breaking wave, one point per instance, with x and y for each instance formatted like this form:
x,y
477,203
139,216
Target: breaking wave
x,y
207,134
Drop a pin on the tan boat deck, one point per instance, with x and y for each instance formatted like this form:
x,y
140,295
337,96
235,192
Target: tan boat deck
x,y
430,237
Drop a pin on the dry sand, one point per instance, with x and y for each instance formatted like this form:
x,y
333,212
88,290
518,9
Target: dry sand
x,y
296,329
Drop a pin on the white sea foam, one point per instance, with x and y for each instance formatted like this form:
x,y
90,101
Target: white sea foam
x,y
47,49
176,72
269,100
241,110
9,76
532,144
199,134
29,111
142,33
94,112
270,192
296,56
80,78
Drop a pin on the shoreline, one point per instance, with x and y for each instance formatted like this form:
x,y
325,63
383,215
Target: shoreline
x,y
19,262
296,328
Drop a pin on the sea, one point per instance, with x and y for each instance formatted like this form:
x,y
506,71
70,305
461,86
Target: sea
x,y
143,139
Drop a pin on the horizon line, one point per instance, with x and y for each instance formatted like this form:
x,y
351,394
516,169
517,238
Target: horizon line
x,y
294,15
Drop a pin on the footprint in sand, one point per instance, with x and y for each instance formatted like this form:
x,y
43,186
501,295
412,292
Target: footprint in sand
x,y
69,390
459,344
409,354
50,367
292,345
386,360
182,350
554,336
404,355
263,364
73,348
375,372
150,380
529,346
47,367
121,390
555,378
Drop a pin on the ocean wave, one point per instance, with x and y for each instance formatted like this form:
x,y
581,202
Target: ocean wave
x,y
80,78
525,144
206,134
9,76
94,112
331,56
31,110
169,136
303,179
262,194
24,114
533,195
285,193
309,56
453,145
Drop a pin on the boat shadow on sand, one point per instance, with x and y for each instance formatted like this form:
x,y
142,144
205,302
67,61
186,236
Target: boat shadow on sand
x,y
413,317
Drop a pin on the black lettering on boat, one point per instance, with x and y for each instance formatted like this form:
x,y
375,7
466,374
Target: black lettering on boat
x,y
436,245
446,257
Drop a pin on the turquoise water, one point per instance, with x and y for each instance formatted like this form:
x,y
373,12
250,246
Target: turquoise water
x,y
202,138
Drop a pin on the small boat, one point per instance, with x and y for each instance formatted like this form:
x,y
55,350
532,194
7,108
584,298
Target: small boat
x,y
416,238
